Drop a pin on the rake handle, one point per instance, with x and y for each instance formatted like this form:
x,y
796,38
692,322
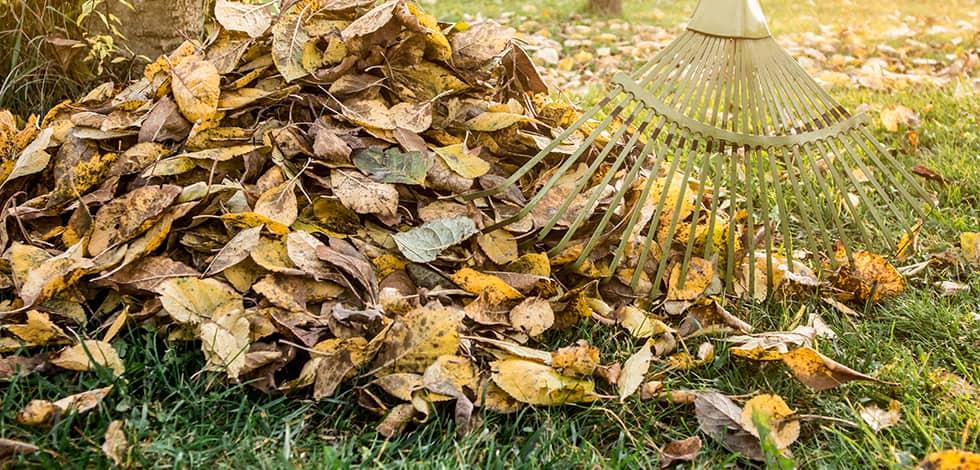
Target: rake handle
x,y
742,19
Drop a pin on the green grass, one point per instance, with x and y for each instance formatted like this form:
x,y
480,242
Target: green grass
x,y
177,419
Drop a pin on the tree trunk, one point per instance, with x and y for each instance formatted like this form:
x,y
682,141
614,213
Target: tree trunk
x,y
606,7
153,27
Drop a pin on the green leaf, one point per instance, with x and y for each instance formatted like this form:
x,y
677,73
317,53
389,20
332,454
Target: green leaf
x,y
393,166
423,244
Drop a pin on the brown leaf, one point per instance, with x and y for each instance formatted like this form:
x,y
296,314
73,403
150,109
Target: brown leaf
x,y
196,86
115,444
819,372
684,450
39,412
125,217
721,419
10,448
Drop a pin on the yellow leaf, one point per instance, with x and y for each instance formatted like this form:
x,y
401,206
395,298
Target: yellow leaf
x,y
225,339
950,460
421,337
83,356
537,384
39,330
492,287
634,370
193,300
39,412
970,244
784,428
499,245
196,86
533,316
464,162
819,372
699,274
871,278
490,121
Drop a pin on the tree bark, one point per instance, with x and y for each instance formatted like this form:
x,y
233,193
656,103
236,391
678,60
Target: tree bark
x,y
606,7
153,27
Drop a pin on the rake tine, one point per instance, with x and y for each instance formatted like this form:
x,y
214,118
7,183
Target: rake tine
x,y
651,228
862,194
583,148
798,196
767,234
785,229
617,198
674,218
664,59
606,150
901,170
715,204
825,189
635,215
858,220
597,191
884,195
706,168
730,231
818,208
512,179
750,222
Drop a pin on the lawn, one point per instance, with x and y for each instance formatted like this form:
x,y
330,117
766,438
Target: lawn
x,y
178,418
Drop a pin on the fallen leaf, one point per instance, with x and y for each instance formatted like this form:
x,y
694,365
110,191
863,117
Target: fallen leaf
x,y
784,429
393,166
253,19
193,300
533,316
493,288
364,196
878,418
950,460
38,412
684,450
423,244
84,355
10,448
634,370
115,444
819,372
721,419
196,87
537,384
465,162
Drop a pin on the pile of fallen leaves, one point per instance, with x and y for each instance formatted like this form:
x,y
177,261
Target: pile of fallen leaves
x,y
286,194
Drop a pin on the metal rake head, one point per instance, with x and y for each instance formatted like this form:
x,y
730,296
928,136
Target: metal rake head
x,y
721,148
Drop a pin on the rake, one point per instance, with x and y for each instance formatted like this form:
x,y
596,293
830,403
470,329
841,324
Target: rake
x,y
725,114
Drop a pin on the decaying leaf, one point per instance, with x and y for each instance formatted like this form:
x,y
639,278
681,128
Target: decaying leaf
x,y
634,370
533,316
425,243
38,412
115,444
950,460
684,450
819,372
538,384
783,427
85,355
719,417
878,418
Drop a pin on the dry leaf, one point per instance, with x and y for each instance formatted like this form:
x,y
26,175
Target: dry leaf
x,y
84,355
878,418
819,372
778,416
39,412
684,450
532,316
634,370
537,384
115,444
